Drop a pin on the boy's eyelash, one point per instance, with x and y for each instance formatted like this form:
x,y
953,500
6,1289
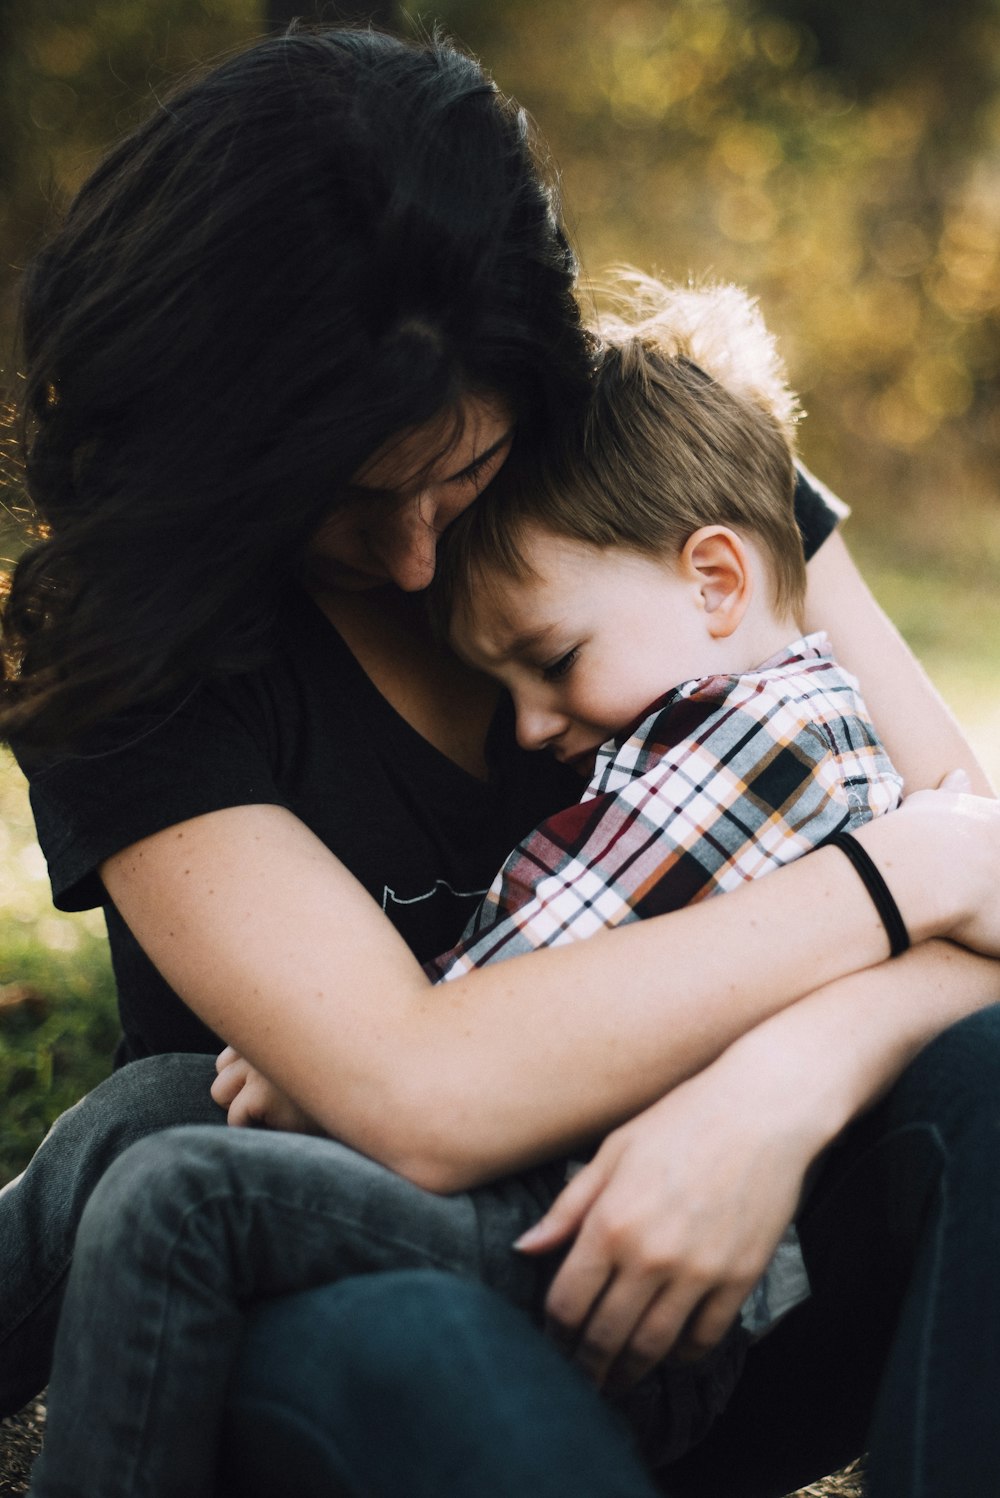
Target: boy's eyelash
x,y
560,667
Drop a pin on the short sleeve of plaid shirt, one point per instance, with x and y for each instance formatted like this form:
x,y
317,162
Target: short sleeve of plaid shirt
x,y
723,780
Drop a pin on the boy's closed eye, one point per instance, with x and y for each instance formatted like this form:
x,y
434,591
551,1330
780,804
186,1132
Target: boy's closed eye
x,y
557,669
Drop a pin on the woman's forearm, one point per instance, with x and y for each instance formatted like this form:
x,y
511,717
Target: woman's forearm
x,y
572,1041
841,1048
277,948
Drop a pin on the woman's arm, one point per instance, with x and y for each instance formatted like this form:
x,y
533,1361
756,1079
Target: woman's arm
x,y
247,915
679,1212
674,1218
922,737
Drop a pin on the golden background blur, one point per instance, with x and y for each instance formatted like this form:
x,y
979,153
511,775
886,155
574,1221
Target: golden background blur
x,y
842,162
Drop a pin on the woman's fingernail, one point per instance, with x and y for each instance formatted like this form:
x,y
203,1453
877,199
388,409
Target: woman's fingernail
x,y
956,780
530,1238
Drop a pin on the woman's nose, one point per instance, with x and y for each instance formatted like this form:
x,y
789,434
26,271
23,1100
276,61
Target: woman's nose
x,y
406,544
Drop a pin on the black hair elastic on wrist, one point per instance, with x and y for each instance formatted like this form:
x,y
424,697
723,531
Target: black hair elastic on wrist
x,y
889,913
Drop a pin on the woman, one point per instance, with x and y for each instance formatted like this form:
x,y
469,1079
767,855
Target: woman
x,y
289,331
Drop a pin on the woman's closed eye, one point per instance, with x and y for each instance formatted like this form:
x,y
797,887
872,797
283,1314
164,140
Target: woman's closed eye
x,y
557,669
487,461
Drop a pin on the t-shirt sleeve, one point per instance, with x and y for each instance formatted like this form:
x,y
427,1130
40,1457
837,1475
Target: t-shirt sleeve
x,y
150,769
818,511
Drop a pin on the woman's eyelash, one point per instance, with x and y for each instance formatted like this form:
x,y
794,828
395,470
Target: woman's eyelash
x,y
560,667
474,469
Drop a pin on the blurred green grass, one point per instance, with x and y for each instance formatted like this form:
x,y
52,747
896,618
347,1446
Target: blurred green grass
x,y
58,1017
56,1043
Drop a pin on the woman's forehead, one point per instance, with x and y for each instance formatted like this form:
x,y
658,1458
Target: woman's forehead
x,y
439,448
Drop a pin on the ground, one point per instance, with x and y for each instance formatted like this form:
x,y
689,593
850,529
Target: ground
x,y
20,1438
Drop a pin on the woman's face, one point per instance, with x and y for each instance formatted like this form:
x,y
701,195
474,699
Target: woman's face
x,y
406,495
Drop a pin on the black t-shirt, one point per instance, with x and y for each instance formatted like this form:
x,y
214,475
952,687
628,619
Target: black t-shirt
x,y
310,732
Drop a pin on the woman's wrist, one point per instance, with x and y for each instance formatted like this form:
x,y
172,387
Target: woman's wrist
x,y
802,1099
932,863
879,892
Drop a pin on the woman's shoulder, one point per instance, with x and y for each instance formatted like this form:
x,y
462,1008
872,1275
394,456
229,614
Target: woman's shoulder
x,y
225,740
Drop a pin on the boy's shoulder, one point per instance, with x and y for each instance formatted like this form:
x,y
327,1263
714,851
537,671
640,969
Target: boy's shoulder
x,y
800,699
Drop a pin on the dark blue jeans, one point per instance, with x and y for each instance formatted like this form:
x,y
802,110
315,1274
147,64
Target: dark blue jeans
x,y
898,1350
415,1384
190,1226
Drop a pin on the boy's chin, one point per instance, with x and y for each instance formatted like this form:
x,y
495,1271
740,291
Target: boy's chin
x,y
582,764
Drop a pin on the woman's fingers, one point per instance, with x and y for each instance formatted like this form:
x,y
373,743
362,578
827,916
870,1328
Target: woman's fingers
x,y
621,1314
566,1213
710,1321
659,1332
633,1325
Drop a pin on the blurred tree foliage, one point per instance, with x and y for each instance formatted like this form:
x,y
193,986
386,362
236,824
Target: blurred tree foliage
x,y
840,160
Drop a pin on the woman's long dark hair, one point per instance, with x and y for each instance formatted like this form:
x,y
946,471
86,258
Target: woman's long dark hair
x,y
321,243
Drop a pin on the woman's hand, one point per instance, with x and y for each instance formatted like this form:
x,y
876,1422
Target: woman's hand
x,y
677,1216
975,837
941,859
252,1101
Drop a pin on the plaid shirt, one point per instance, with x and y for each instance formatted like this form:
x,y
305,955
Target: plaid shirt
x,y
723,779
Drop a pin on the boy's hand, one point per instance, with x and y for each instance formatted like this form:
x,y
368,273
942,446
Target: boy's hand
x,y
675,1219
252,1101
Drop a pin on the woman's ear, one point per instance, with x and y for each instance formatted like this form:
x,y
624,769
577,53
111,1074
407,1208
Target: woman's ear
x,y
718,562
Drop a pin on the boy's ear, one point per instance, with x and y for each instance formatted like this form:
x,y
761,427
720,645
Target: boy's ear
x,y
717,561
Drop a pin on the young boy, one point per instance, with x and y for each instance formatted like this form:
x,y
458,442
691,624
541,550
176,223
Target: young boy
x,y
640,597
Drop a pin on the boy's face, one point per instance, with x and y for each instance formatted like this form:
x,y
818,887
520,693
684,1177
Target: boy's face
x,y
585,645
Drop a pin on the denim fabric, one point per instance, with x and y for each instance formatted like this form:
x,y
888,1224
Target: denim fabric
x,y
415,1384
40,1210
898,1351
190,1225
183,1230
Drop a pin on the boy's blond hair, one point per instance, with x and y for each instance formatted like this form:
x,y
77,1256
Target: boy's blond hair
x,y
689,424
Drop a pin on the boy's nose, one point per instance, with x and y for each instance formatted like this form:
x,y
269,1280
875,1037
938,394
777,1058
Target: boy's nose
x,y
538,726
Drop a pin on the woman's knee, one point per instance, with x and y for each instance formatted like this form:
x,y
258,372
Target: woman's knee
x,y
139,1099
399,1329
